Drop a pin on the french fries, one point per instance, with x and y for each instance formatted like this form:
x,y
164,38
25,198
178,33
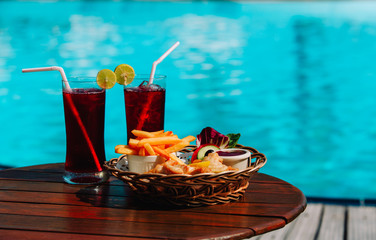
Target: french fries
x,y
162,143
159,141
189,139
144,134
177,147
149,149
125,149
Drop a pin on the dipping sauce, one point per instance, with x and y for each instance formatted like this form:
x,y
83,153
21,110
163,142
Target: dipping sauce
x,y
231,153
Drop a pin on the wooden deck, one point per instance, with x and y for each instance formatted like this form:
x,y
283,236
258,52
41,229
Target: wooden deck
x,y
329,222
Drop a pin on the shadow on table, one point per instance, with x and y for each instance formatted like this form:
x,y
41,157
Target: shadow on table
x,y
114,197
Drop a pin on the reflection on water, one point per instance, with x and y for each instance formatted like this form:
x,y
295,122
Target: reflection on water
x,y
296,79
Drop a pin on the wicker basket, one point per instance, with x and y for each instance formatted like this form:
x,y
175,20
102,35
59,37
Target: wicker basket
x,y
190,190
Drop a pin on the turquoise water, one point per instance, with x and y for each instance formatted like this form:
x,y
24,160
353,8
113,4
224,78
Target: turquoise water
x,y
297,80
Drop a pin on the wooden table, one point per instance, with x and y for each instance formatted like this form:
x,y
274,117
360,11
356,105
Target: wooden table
x,y
35,203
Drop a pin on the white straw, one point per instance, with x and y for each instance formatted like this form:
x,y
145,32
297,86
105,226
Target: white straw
x,y
160,60
54,68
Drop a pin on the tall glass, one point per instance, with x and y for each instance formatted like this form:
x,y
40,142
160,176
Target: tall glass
x,y
84,106
145,104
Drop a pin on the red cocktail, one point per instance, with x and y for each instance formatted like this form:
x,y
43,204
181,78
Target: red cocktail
x,y
145,104
84,107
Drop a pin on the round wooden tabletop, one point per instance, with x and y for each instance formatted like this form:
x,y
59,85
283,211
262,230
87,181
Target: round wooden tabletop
x,y
35,203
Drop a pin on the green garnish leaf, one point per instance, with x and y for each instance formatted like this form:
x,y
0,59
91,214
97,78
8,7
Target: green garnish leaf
x,y
234,138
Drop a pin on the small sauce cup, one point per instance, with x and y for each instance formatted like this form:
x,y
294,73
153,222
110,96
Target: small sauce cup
x,y
142,164
235,157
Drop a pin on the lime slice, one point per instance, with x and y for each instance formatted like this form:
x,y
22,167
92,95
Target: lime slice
x,y
124,74
106,78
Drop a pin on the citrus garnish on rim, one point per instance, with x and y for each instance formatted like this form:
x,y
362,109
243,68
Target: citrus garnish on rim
x,y
106,78
124,74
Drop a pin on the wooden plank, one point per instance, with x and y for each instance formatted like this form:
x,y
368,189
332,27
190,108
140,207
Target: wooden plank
x,y
117,228
281,233
278,195
291,197
32,235
282,205
285,211
264,178
234,235
279,213
43,176
104,189
361,223
102,198
269,187
114,190
51,167
31,176
307,223
68,199
48,172
131,215
333,223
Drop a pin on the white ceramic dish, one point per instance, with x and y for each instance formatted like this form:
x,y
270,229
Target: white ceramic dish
x,y
138,164
235,157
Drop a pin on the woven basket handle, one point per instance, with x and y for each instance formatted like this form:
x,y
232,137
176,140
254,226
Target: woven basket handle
x,y
260,157
260,160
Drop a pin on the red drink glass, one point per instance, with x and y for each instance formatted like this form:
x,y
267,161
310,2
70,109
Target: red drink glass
x,y
145,104
84,107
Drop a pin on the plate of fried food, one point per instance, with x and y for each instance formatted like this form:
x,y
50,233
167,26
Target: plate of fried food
x,y
163,168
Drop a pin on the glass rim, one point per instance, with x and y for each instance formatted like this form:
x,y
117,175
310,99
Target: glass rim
x,y
147,76
84,79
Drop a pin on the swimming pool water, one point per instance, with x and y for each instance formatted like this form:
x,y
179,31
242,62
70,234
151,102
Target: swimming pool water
x,y
297,80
